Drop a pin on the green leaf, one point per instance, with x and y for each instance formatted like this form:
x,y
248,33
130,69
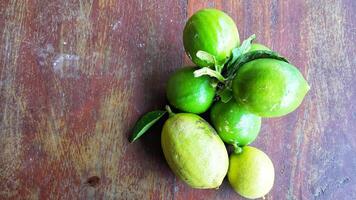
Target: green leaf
x,y
145,122
238,51
207,71
249,56
207,57
225,94
246,44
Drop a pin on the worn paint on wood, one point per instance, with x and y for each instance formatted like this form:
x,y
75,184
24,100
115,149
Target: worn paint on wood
x,y
75,75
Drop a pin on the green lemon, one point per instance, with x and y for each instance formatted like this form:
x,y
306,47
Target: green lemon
x,y
235,124
212,31
188,93
257,46
194,151
269,87
251,173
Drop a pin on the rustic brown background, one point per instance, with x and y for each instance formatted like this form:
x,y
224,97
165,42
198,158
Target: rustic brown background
x,y
76,74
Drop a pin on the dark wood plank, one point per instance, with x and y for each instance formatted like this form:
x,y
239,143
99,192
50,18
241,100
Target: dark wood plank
x,y
312,147
75,75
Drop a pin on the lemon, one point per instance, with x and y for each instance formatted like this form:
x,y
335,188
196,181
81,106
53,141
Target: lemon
x,y
269,87
251,173
212,31
194,151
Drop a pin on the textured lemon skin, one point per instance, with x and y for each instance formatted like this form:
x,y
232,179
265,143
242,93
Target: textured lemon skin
x,y
188,93
251,173
269,87
212,31
234,124
194,151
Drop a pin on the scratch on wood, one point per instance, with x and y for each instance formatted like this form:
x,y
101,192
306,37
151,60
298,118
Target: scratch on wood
x,y
12,104
106,3
101,153
51,129
84,32
323,93
93,56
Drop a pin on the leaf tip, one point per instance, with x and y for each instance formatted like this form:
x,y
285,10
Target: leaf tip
x,y
131,139
144,123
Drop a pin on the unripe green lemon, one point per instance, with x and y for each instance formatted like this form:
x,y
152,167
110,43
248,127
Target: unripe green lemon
x,y
188,93
235,124
269,87
212,31
251,173
194,151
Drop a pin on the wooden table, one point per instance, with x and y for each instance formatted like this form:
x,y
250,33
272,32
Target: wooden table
x,y
76,74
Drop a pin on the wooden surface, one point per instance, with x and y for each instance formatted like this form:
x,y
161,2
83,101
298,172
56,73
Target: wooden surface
x,y
76,74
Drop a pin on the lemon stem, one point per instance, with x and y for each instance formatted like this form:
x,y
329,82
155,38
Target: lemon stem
x,y
207,71
237,149
170,113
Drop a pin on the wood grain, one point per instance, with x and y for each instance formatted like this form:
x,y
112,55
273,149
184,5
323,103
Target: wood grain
x,y
75,75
